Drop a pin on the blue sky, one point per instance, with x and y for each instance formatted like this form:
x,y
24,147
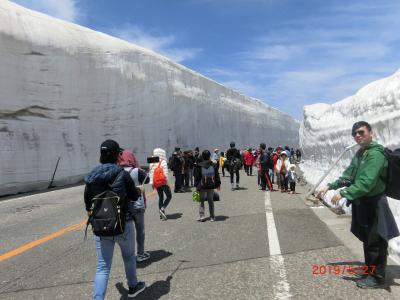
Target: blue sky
x,y
288,53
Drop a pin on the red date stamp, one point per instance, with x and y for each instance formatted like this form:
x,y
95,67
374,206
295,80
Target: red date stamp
x,y
342,270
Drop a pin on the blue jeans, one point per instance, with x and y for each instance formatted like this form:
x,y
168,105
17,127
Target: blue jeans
x,y
138,218
105,250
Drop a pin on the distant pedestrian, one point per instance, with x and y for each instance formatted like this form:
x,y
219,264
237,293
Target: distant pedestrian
x,y
159,179
282,167
265,162
298,155
206,181
222,160
176,164
248,162
235,162
292,179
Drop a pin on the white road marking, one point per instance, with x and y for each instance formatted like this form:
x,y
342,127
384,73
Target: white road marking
x,y
281,286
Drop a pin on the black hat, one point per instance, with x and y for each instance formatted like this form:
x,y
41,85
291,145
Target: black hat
x,y
232,144
177,149
110,146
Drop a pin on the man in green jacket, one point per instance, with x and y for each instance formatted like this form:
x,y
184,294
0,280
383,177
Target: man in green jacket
x,y
372,220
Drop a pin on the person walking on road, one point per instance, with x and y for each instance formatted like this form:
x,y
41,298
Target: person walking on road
x,y
248,160
176,164
158,173
372,220
282,168
102,177
207,179
235,163
265,162
138,207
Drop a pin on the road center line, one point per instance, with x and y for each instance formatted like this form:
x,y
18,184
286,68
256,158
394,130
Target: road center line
x,y
281,287
47,238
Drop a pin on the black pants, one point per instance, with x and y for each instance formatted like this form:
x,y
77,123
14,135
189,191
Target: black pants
x,y
249,170
178,181
375,254
223,170
292,186
186,180
161,190
283,182
265,180
232,172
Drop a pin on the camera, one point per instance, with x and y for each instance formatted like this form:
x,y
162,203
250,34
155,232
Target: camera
x,y
153,159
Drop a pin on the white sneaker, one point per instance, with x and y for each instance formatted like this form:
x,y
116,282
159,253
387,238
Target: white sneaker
x,y
143,257
163,215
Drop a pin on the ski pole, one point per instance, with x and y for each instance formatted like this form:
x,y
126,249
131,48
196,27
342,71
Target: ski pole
x,y
330,169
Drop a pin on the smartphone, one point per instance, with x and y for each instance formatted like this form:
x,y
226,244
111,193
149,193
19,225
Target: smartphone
x,y
153,159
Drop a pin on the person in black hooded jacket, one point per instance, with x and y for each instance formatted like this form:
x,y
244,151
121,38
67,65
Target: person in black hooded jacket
x,y
97,181
206,180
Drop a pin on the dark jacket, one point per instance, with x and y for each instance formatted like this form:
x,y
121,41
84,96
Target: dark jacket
x,y
176,163
233,153
206,164
102,175
367,211
266,161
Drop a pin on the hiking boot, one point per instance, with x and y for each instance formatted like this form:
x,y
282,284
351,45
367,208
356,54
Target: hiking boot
x,y
162,214
371,282
355,276
143,257
134,291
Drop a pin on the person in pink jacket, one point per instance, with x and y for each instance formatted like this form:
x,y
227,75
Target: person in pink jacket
x,y
248,162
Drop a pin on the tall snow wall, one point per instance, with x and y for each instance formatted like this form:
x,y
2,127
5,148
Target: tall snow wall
x,y
64,89
326,130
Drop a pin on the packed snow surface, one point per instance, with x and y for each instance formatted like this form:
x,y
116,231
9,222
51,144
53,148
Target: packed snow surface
x,y
64,89
326,131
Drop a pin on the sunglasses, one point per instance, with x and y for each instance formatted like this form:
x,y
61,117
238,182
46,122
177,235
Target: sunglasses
x,y
359,132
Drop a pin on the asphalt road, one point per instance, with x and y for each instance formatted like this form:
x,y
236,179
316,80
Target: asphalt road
x,y
228,259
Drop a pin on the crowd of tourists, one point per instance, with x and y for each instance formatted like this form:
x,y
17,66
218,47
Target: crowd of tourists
x,y
115,198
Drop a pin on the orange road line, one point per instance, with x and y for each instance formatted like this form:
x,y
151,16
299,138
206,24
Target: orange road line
x,y
47,238
38,242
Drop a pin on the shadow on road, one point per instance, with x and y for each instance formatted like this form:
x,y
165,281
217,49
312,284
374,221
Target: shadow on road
x,y
155,291
174,216
221,218
392,273
155,256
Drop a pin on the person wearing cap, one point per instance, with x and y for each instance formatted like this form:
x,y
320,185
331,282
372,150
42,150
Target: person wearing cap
x,y
364,187
232,155
282,168
98,181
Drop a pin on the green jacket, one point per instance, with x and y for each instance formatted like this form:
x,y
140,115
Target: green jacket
x,y
367,174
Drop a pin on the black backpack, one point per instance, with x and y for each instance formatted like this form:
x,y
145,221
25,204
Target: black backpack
x,y
393,176
108,217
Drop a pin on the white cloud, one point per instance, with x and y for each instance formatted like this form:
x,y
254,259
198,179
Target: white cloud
x,y
276,52
160,44
62,9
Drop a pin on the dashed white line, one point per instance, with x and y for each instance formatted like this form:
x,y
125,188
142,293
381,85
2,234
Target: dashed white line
x,y
281,287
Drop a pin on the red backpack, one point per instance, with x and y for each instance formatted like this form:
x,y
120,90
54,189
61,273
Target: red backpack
x,y
159,178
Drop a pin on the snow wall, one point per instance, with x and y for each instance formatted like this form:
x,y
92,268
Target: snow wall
x,y
326,130
64,89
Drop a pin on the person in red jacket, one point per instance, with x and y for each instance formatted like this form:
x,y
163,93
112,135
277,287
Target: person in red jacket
x,y
248,162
